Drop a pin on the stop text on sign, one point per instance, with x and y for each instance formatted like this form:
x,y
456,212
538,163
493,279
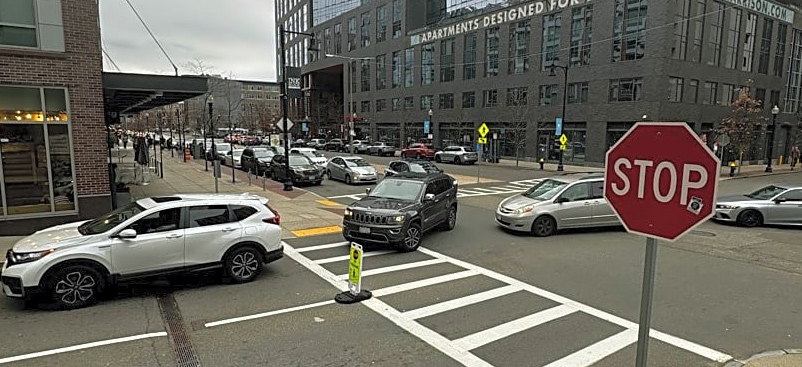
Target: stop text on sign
x,y
663,169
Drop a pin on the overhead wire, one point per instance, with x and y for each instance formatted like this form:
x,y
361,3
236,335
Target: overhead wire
x,y
114,64
153,36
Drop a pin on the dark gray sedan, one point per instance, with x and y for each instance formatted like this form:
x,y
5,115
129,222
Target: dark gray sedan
x,y
773,204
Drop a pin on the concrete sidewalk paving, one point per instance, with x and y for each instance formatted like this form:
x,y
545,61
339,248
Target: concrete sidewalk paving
x,y
777,358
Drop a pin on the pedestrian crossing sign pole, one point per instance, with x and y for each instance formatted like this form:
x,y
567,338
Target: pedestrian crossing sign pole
x,y
355,293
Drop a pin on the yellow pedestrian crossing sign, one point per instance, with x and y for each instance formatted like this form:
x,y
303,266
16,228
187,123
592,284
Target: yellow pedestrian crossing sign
x,y
563,147
482,140
483,130
563,139
355,269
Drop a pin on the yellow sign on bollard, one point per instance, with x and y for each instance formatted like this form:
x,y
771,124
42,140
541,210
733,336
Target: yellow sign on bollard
x,y
355,269
482,140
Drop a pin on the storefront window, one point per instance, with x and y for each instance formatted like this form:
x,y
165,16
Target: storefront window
x,y
388,134
575,147
35,151
455,133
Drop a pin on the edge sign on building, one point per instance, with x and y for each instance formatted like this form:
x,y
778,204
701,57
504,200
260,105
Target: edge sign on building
x,y
661,179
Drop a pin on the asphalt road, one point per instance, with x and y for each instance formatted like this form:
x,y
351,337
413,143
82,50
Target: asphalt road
x,y
570,299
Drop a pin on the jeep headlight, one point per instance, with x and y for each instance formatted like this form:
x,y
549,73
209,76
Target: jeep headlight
x,y
397,219
26,257
525,209
347,212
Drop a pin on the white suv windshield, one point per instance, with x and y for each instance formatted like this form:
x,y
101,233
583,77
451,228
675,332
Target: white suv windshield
x,y
110,220
397,189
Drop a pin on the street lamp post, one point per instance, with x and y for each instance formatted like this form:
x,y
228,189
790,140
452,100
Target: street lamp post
x,y
213,151
774,111
351,113
160,128
565,100
431,126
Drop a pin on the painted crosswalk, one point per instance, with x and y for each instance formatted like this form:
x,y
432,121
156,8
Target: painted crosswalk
x,y
460,349
503,188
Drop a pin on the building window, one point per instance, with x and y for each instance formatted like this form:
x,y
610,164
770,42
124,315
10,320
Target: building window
x,y
519,47
18,23
675,89
468,99
381,105
693,91
397,18
447,101
681,23
716,28
397,71
396,104
760,96
626,90
351,34
710,95
733,38
447,60
490,98
327,41
765,47
581,32
427,61
469,57
550,44
365,77
409,67
426,102
749,42
779,55
629,30
728,94
338,38
491,51
517,96
381,23
35,143
364,106
352,73
547,93
365,29
578,92
409,103
775,98
794,83
381,72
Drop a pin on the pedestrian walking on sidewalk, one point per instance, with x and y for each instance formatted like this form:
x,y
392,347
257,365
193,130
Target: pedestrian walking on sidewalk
x,y
125,141
794,156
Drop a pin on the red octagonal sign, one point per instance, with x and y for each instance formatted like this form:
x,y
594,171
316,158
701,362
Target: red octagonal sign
x,y
661,179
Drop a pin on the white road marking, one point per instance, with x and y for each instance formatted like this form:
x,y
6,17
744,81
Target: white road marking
x,y
346,257
483,190
81,346
423,283
598,351
506,329
511,188
388,269
434,309
321,247
350,196
266,314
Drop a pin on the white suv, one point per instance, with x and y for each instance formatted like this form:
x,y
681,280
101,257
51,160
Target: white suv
x,y
72,264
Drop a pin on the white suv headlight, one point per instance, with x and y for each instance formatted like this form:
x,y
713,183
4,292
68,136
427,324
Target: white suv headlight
x,y
26,257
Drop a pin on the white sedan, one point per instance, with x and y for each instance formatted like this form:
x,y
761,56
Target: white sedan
x,y
234,158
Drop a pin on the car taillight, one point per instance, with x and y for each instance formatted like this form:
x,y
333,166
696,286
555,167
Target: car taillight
x,y
276,219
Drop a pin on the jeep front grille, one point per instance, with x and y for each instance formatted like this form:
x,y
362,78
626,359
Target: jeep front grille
x,y
370,218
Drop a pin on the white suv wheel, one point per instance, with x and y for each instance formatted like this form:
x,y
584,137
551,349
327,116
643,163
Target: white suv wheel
x,y
75,286
243,264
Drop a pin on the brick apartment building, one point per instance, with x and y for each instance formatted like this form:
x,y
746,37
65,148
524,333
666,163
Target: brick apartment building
x,y
52,134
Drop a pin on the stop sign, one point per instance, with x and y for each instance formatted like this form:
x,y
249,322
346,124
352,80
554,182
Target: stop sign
x,y
661,180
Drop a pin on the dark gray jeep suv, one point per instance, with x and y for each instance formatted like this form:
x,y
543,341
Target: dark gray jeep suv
x,y
401,208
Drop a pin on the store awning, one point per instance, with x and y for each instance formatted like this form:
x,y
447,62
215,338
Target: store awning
x,y
128,94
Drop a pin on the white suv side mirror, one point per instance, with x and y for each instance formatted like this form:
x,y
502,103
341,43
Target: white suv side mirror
x,y
127,233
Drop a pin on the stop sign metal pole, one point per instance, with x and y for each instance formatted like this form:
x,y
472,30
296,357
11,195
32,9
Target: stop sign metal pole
x,y
644,324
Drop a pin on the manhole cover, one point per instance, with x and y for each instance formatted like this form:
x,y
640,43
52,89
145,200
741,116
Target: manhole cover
x,y
703,233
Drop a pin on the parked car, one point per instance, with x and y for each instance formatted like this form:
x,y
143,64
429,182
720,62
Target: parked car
x,y
411,166
360,146
418,151
351,169
457,155
774,204
317,158
335,145
220,151
381,148
233,158
257,159
70,265
316,143
299,143
567,201
302,170
400,209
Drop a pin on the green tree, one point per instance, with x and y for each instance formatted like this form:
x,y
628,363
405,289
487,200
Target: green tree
x,y
744,125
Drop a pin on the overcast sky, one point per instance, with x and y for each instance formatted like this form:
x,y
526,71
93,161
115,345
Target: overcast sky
x,y
232,36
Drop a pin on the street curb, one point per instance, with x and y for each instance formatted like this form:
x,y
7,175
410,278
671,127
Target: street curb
x,y
759,175
771,353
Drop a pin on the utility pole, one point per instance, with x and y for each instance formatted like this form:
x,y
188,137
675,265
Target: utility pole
x,y
284,106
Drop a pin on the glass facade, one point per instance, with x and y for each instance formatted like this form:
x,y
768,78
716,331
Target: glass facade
x,y
397,9
323,10
427,64
794,84
381,23
733,38
765,46
338,38
681,25
550,43
518,60
749,42
779,53
716,28
397,71
491,51
36,174
469,57
629,30
365,75
581,35
409,67
447,60
365,30
381,72
351,34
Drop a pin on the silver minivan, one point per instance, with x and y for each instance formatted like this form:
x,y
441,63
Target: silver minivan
x,y
567,201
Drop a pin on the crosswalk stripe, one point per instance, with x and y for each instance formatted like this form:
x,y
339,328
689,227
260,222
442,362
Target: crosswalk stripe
x,y
423,283
434,309
389,269
321,247
346,257
482,189
468,192
504,330
598,351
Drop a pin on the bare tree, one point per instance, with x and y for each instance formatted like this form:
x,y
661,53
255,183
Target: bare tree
x,y
744,125
518,105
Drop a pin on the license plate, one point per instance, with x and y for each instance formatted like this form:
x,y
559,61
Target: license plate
x,y
364,230
311,177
